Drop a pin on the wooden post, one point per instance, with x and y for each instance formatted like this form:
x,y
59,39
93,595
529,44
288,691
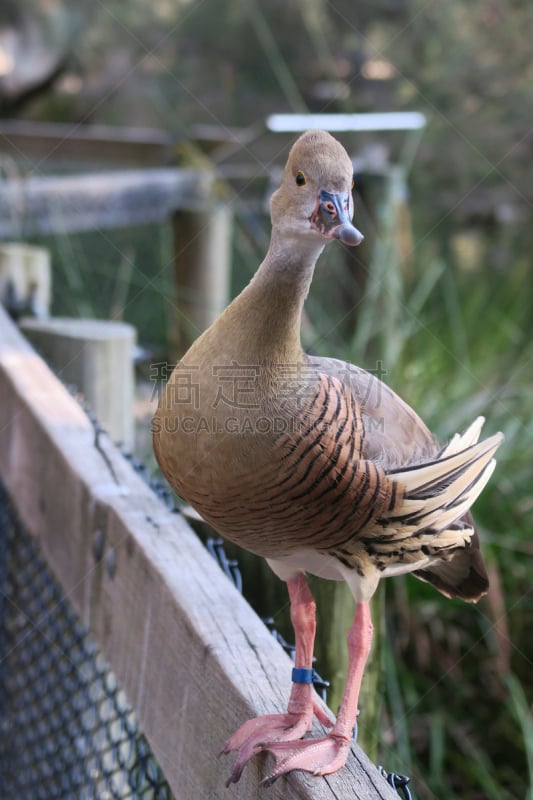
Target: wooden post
x,y
97,357
25,278
202,257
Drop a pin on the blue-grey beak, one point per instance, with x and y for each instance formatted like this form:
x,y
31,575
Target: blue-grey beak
x,y
331,218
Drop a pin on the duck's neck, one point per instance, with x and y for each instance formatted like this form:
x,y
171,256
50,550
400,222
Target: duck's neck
x,y
268,312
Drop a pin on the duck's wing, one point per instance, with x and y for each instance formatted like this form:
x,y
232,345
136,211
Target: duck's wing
x,y
394,435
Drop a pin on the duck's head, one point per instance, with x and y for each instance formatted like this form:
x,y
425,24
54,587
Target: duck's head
x,y
315,196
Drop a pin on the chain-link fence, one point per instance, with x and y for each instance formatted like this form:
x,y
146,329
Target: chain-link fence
x,y
67,731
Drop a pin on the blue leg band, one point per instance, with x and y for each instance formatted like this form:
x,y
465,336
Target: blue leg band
x,y
301,675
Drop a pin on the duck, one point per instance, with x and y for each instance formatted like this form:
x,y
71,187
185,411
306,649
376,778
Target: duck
x,y
314,463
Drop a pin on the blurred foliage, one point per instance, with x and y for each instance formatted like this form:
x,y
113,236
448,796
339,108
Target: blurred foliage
x,y
36,39
467,66
446,306
116,274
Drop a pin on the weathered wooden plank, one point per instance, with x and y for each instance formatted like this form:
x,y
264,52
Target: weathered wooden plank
x,y
190,653
71,203
54,142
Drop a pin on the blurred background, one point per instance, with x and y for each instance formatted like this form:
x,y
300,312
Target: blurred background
x,y
439,300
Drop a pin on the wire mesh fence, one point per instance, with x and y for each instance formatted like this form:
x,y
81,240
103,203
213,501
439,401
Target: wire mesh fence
x,y
67,731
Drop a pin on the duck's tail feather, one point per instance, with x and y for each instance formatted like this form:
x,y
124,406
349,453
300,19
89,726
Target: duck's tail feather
x,y
463,440
438,493
431,508
463,576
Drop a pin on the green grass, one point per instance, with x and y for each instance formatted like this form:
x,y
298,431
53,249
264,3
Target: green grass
x,y
521,711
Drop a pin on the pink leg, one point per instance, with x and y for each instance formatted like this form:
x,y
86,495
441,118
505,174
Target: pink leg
x,y
303,618
256,734
322,756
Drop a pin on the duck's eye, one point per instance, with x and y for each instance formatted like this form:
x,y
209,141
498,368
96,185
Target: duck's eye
x,y
301,180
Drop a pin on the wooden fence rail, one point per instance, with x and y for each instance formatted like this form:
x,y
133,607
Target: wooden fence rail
x,y
52,142
99,200
192,656
43,205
